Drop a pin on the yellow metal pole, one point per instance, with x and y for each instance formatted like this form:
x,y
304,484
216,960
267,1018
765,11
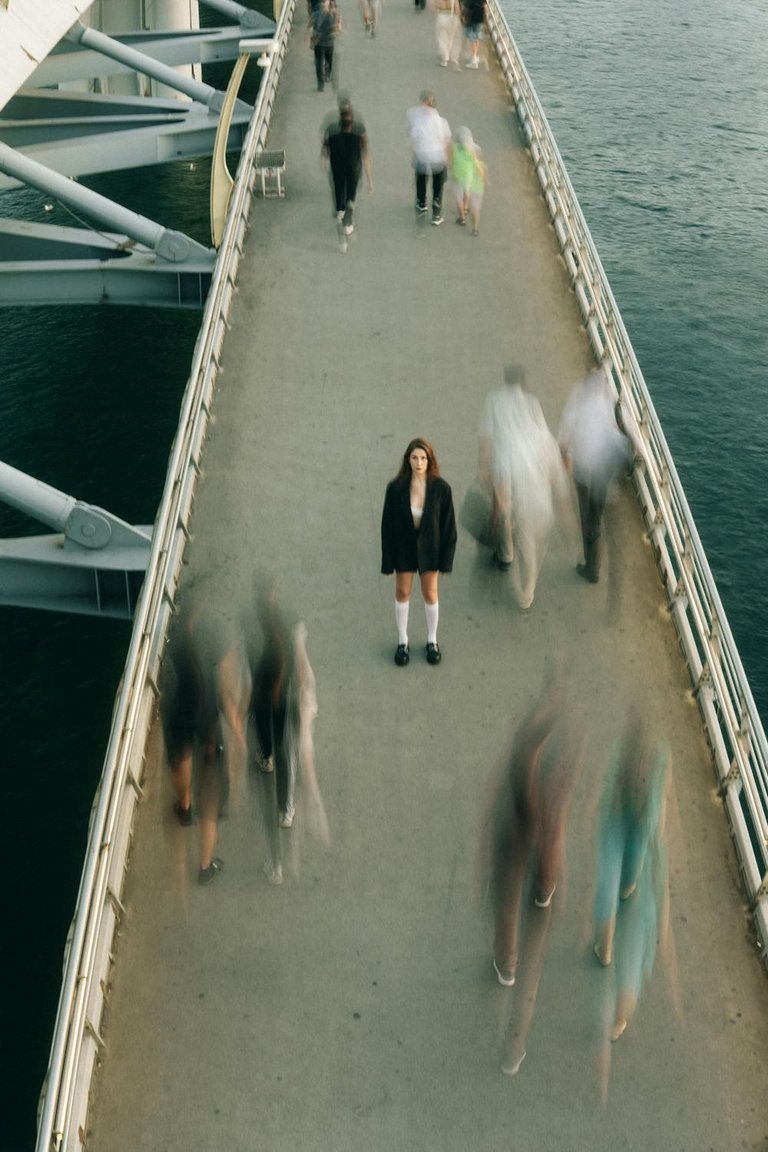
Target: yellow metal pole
x,y
222,182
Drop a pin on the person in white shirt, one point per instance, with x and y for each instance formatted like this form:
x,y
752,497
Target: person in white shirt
x,y
430,138
597,452
521,466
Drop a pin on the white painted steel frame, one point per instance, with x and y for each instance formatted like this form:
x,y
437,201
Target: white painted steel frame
x,y
731,720
76,1040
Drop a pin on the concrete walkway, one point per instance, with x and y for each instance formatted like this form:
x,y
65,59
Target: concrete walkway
x,y
355,1006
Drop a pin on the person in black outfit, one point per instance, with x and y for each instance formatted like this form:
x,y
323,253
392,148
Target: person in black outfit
x,y
474,18
269,714
198,691
418,534
325,25
345,149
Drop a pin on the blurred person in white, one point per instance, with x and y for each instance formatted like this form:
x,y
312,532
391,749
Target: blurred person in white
x,y
597,453
520,464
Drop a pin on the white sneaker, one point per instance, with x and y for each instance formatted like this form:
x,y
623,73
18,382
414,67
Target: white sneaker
x,y
348,229
273,872
286,818
505,975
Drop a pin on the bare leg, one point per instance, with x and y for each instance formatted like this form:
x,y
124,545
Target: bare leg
x,y
509,894
210,796
181,774
524,1004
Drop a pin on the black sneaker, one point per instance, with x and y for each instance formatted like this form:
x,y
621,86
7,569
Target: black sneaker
x,y
183,815
206,875
587,573
434,655
402,656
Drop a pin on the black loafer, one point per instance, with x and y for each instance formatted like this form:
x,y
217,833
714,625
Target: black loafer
x,y
434,655
587,573
402,656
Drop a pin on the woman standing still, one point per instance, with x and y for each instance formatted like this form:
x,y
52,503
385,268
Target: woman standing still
x,y
418,534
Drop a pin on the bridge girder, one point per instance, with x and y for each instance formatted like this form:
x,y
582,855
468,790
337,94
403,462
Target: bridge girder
x,y
185,133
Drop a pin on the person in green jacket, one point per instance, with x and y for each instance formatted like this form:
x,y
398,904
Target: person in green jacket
x,y
470,177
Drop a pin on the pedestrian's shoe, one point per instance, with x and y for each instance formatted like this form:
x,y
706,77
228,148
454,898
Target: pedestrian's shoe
x,y
267,765
206,875
545,901
438,220
512,1068
273,872
603,958
502,565
434,655
183,815
587,573
505,974
286,818
402,655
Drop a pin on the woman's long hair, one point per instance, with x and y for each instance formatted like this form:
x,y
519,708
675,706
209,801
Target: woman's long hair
x,y
432,465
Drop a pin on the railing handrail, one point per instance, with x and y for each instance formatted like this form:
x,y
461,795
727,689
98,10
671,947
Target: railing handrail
x,y
67,1081
730,716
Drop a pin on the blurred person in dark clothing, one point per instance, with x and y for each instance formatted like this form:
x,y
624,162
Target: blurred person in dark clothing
x,y
345,151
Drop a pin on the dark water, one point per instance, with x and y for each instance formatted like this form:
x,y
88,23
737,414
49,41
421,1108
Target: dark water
x,y
661,113
89,403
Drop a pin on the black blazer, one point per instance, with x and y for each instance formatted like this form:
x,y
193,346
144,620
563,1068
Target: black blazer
x,y
431,547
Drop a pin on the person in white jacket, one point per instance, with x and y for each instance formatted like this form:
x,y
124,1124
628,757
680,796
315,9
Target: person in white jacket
x,y
521,466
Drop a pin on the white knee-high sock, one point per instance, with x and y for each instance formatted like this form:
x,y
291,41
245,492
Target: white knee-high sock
x,y
401,620
432,612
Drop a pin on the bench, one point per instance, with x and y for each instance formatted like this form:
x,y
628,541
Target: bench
x,y
269,167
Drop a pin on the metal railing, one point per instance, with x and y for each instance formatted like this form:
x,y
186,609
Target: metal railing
x,y
731,720
87,958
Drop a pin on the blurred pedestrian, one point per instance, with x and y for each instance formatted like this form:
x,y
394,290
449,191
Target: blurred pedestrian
x,y
418,534
371,11
345,151
520,464
283,708
524,848
324,28
448,31
430,136
474,19
470,177
271,675
631,910
597,452
202,682
632,813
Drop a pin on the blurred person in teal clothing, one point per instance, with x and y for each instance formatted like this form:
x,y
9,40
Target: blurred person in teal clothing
x,y
631,910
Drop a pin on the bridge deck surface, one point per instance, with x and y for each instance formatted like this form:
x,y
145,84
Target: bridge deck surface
x,y
355,1006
